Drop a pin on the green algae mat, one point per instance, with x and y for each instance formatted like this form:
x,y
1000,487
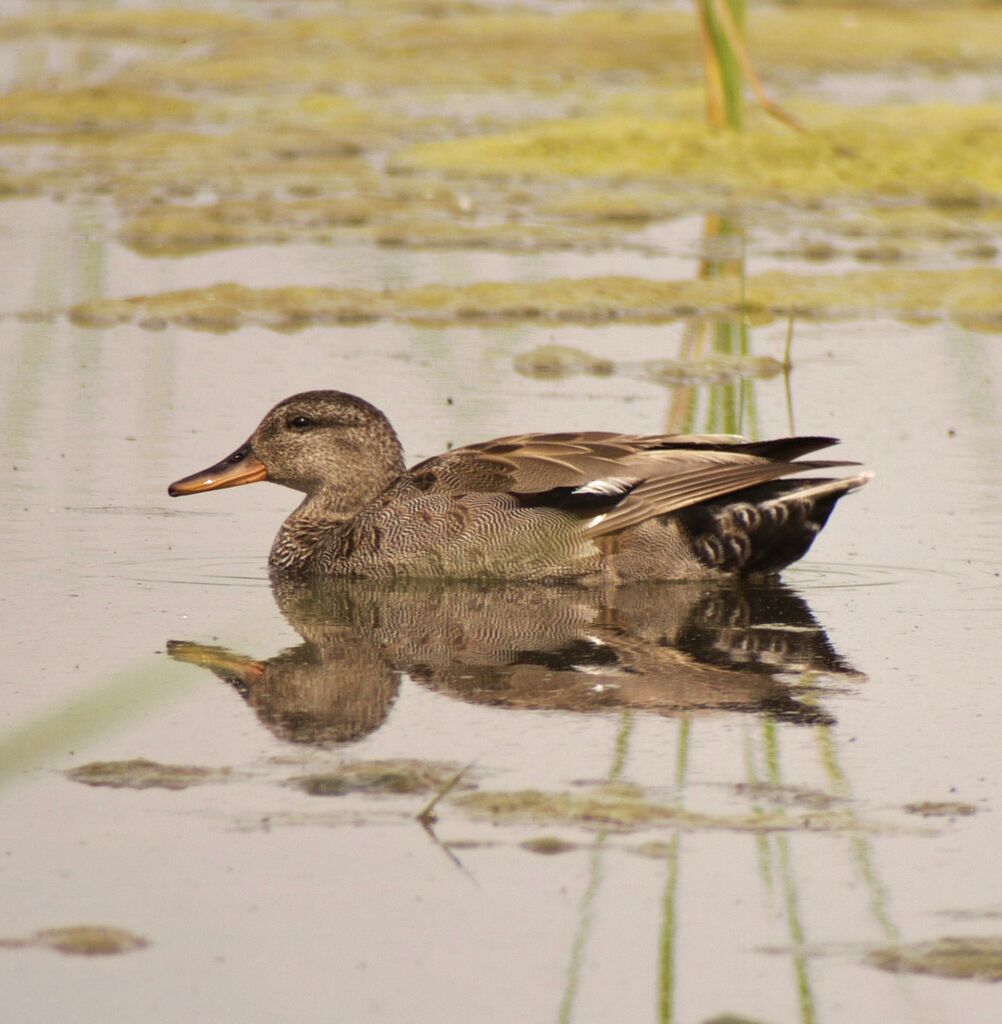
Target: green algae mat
x,y
460,127
967,296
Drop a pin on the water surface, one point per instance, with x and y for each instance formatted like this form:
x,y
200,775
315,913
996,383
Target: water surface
x,y
669,803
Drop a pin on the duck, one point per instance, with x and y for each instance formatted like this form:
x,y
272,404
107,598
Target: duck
x,y
592,506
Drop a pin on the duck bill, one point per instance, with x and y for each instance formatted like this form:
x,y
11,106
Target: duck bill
x,y
242,467
220,661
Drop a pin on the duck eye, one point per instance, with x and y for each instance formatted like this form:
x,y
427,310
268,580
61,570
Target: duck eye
x,y
300,423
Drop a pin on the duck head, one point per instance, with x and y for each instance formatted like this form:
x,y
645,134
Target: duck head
x,y
318,442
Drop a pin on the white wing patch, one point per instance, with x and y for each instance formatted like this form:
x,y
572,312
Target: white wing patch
x,y
608,486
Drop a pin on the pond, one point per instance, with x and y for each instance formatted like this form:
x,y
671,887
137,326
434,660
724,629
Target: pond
x,y
427,801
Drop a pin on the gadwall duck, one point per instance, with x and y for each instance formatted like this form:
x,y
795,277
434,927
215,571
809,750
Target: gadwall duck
x,y
597,506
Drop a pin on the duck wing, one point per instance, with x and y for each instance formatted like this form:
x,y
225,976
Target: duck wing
x,y
681,479
617,480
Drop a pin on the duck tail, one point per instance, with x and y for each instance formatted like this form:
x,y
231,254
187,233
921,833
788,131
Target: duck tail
x,y
764,529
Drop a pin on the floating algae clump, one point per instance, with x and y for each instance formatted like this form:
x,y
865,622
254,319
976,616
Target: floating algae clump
x,y
81,940
977,957
143,774
941,809
625,808
468,49
389,221
619,810
553,362
88,110
180,230
225,307
622,206
921,149
401,776
548,845
967,296
458,44
167,26
145,166
878,36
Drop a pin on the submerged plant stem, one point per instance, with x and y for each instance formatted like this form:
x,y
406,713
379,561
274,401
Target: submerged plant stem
x,y
620,752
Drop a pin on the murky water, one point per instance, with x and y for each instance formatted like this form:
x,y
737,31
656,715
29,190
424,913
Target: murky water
x,y
472,803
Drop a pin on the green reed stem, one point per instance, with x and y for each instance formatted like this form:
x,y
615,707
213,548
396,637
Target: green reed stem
x,y
723,66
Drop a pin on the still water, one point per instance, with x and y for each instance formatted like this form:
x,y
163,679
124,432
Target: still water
x,y
455,803
143,628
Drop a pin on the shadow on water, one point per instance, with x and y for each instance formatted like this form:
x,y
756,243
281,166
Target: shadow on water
x,y
668,649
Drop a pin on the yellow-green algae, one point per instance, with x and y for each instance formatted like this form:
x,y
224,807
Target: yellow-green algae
x,y
143,168
298,140
969,297
178,25
555,362
942,809
977,957
390,220
713,368
547,845
179,230
941,151
732,1018
140,146
624,808
95,109
943,36
398,776
110,107
787,795
626,206
485,48
252,145
872,232
293,136
81,940
143,774
500,237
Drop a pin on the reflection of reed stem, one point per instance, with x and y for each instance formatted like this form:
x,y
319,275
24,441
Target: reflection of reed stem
x,y
622,747
787,366
583,931
666,951
805,993
682,411
667,945
619,758
730,407
25,384
860,845
24,390
763,849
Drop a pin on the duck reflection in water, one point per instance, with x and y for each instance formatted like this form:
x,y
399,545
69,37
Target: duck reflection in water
x,y
666,649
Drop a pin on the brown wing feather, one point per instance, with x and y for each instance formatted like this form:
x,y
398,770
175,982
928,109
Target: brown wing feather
x,y
533,463
669,493
672,471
